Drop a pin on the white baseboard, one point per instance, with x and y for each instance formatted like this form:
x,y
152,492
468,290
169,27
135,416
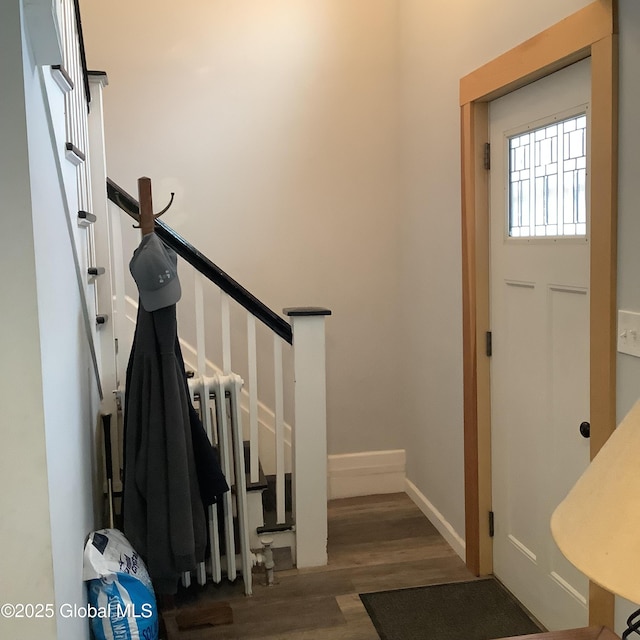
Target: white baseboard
x,y
436,518
366,473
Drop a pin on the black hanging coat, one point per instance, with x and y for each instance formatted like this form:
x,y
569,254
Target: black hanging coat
x,y
163,503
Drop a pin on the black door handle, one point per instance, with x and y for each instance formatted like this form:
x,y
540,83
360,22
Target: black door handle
x,y
585,429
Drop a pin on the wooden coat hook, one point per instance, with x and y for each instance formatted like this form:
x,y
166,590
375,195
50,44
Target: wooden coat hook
x,y
147,218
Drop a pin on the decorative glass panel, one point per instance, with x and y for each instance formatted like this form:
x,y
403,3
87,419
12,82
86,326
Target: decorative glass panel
x,y
548,180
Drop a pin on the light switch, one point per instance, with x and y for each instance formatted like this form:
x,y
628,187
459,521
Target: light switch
x,y
629,333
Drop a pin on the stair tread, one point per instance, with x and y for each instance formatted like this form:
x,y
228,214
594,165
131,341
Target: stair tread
x,y
271,523
261,484
273,528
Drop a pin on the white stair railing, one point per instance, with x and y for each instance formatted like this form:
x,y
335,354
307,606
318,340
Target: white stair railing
x,y
284,416
310,450
271,427
269,421
270,431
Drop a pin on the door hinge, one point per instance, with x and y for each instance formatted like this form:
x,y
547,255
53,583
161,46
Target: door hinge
x,y
491,528
487,156
489,344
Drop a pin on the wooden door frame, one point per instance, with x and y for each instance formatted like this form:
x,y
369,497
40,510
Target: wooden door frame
x,y
590,32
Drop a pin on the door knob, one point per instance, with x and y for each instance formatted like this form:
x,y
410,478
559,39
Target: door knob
x,y
585,429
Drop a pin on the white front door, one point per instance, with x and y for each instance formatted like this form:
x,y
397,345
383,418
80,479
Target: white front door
x,y
539,257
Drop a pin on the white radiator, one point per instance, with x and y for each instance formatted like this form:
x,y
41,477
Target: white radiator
x,y
218,400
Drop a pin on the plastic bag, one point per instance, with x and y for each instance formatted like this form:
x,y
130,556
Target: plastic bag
x,y
122,604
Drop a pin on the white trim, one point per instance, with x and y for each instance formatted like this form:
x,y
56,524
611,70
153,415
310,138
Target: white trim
x,y
81,274
74,155
98,77
366,473
62,78
436,518
309,479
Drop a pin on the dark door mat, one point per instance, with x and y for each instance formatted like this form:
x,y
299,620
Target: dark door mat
x,y
475,610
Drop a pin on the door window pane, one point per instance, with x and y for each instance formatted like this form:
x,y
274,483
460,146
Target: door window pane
x,y
548,180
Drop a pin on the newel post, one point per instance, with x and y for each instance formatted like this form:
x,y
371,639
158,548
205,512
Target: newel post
x,y
310,435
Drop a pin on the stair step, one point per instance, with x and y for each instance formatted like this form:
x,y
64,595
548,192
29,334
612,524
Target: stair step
x,y
269,506
267,484
276,528
261,484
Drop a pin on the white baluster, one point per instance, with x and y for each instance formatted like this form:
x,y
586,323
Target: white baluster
x,y
235,387
214,536
253,398
226,333
224,441
73,62
200,324
205,413
121,325
279,420
186,575
106,285
70,95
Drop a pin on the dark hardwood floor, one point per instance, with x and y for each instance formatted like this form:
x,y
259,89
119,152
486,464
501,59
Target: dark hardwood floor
x,y
375,543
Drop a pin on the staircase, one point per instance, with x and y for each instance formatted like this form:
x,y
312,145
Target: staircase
x,y
277,431
263,504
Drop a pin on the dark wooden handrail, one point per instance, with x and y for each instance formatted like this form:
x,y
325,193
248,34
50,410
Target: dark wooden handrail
x,y
83,53
201,263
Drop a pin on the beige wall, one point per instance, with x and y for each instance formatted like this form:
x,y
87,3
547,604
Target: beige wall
x,y
275,124
628,387
629,194
440,43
